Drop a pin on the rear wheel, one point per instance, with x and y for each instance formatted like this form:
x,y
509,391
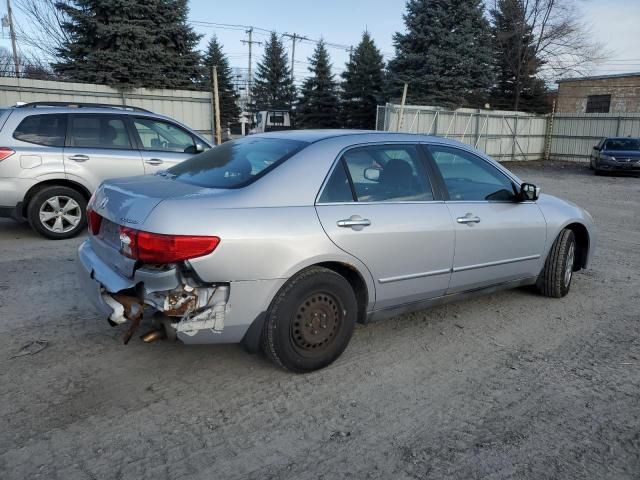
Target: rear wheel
x,y
555,279
57,212
310,321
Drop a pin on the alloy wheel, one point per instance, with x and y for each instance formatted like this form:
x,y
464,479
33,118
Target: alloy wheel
x,y
60,214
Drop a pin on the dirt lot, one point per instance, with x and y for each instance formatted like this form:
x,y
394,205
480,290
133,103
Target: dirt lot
x,y
509,386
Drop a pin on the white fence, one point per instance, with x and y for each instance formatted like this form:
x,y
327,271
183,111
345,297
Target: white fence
x,y
507,135
193,108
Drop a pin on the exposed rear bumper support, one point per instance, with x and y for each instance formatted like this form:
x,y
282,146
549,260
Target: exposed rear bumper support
x,y
192,312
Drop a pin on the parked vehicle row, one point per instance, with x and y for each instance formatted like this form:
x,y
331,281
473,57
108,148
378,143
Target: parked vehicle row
x,y
53,157
283,241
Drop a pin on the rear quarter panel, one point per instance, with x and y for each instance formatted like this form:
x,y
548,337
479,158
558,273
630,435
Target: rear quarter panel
x,y
256,243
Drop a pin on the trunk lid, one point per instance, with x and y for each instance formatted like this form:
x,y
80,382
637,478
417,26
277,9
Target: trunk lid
x,y
128,202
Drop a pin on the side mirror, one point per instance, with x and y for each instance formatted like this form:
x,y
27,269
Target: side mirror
x,y
200,148
529,192
596,147
372,174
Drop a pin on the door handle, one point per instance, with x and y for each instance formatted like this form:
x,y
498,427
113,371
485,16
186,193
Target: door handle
x,y
354,222
79,158
469,219
154,161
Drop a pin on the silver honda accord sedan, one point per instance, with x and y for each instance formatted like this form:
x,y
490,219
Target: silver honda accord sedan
x,y
283,241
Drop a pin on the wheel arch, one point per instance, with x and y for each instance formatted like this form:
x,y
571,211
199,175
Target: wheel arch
x,y
364,297
583,243
61,182
357,282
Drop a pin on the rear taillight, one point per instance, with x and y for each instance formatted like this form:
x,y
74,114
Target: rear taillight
x,y
157,248
5,153
94,221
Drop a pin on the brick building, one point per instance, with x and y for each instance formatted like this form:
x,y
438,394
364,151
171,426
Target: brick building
x,y
600,94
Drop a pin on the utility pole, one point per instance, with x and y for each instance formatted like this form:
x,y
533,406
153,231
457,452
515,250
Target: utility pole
x,y
402,102
216,103
293,37
250,42
12,32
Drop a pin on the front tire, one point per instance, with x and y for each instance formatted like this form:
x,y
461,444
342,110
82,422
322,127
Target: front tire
x,y
310,321
57,212
555,279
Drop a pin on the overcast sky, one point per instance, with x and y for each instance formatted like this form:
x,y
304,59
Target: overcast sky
x,y
615,23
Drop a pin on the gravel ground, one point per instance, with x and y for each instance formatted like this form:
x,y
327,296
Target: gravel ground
x,y
511,385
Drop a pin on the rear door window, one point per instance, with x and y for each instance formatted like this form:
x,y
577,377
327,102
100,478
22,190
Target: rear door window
x,y
99,131
48,130
237,163
388,173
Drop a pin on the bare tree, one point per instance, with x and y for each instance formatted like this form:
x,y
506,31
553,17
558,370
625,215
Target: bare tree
x,y
31,66
547,39
44,33
563,41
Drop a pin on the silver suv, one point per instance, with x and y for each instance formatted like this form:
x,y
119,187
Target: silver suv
x,y
54,155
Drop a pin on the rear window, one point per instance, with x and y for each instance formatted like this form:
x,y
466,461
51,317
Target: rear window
x,y
622,144
237,163
48,130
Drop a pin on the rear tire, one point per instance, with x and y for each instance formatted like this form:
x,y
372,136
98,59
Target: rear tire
x,y
555,279
57,212
310,320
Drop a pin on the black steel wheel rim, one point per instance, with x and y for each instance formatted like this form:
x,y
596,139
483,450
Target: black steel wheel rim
x,y
316,324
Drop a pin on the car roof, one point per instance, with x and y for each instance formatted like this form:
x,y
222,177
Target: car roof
x,y
115,111
313,136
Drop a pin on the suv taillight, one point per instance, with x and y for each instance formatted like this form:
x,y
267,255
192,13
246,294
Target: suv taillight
x,y
6,153
94,220
158,248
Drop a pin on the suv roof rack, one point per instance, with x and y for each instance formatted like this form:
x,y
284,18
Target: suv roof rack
x,y
81,105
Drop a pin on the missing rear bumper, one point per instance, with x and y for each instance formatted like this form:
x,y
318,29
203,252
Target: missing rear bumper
x,y
186,306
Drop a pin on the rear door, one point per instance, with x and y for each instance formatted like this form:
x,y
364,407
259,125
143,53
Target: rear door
x,y
379,205
162,144
497,238
99,146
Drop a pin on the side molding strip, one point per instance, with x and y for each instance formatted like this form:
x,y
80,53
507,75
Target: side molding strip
x,y
414,275
493,264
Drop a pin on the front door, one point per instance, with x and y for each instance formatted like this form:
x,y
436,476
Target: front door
x,y
99,147
497,238
379,206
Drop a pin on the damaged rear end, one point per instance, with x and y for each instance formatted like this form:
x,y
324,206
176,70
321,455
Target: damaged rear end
x,y
126,270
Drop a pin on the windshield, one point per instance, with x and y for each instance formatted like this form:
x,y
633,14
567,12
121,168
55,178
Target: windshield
x,y
622,144
237,163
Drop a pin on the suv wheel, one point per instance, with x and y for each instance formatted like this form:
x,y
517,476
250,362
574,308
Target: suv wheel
x,y
310,321
57,212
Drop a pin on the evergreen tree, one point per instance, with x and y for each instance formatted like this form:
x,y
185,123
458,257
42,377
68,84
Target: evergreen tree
x,y
446,54
129,43
363,85
273,85
318,106
229,110
517,64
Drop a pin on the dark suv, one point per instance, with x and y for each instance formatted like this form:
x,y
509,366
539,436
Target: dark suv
x,y
53,156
